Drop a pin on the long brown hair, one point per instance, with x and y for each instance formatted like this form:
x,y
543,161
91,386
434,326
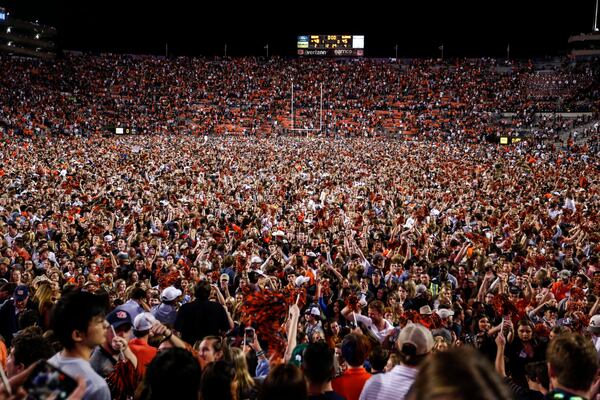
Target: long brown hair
x,y
285,381
458,373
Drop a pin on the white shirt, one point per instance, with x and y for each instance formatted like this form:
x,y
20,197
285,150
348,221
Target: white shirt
x,y
381,334
570,204
392,385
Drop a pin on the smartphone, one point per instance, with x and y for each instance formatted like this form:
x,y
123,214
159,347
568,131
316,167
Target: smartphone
x,y
49,382
505,327
249,333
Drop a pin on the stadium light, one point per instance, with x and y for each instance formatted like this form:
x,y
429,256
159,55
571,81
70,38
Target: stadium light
x,y
8,29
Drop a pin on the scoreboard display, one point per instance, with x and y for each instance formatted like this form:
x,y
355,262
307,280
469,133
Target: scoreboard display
x,y
123,130
331,45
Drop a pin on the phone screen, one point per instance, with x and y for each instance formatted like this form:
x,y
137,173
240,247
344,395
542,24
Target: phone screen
x,y
250,334
48,382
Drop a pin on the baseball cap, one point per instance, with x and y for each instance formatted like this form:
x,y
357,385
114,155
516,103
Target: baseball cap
x,y
444,313
443,333
565,273
143,321
118,318
418,336
594,325
225,277
21,292
313,311
421,289
425,310
514,290
301,280
170,293
278,233
256,259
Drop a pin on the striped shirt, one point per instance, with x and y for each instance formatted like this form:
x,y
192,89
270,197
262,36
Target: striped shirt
x,y
392,385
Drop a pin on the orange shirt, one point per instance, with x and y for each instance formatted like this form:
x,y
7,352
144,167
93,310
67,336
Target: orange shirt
x,y
3,354
144,353
560,290
351,383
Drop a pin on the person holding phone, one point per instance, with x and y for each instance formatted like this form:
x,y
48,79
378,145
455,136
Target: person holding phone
x,y
78,323
249,335
27,383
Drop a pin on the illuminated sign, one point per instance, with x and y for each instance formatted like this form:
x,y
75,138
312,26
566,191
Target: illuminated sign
x,y
358,42
331,45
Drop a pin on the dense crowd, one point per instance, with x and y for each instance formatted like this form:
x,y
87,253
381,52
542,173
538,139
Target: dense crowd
x,y
458,98
253,267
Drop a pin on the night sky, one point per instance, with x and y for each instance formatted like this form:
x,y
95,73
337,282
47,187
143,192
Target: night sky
x,y
466,28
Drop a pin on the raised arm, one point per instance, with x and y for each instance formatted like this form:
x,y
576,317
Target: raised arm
x,y
292,331
501,345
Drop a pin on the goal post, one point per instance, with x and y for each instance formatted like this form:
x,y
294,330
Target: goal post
x,y
293,119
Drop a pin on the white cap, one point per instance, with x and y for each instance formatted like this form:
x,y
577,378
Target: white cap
x,y
313,311
170,293
444,313
256,259
311,254
594,322
143,321
108,238
418,336
301,280
278,233
425,310
421,288
259,272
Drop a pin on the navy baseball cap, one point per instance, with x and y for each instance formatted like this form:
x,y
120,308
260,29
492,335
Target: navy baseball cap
x,y
21,292
118,318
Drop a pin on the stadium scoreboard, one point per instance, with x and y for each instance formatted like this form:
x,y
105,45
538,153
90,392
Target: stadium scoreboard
x,y
122,130
331,45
